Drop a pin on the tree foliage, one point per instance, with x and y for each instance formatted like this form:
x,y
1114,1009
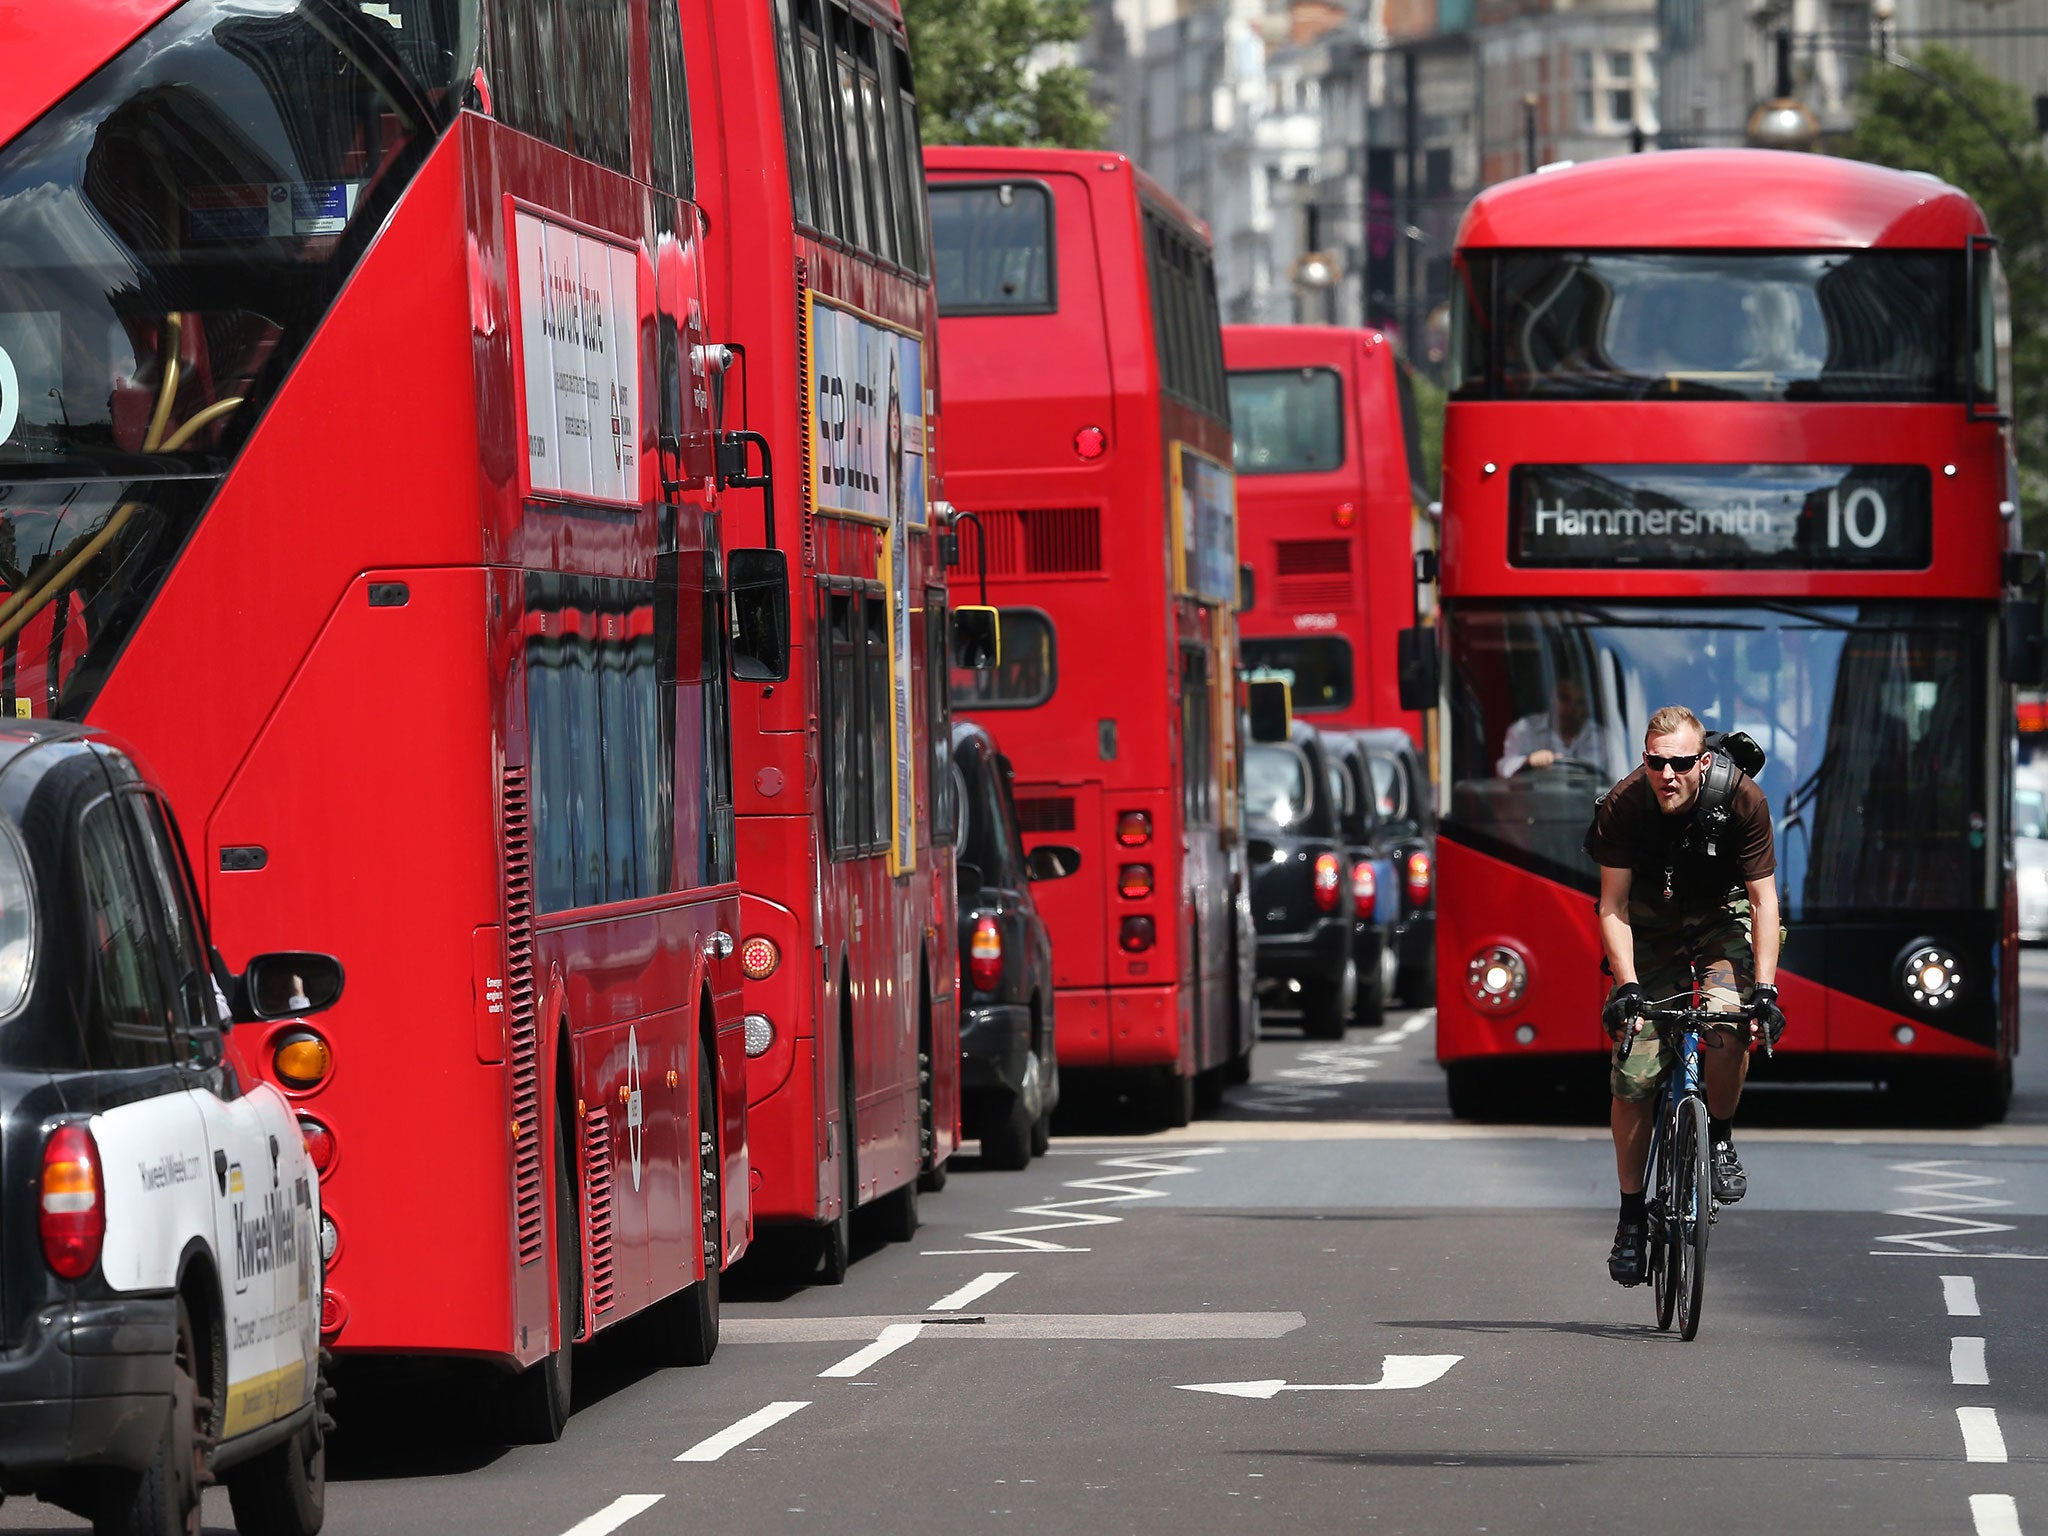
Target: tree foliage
x,y
983,76
1916,125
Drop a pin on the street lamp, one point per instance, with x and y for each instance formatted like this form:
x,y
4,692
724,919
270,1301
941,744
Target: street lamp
x,y
1317,272
1784,122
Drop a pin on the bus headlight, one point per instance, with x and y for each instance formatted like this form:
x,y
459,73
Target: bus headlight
x,y
1496,978
1930,976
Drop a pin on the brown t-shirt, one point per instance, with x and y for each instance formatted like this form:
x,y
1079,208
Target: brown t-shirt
x,y
1667,851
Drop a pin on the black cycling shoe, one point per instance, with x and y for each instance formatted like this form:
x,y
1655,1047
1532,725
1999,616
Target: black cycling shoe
x,y
1628,1261
1730,1182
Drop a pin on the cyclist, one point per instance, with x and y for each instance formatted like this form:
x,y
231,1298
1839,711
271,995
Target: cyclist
x,y
1679,890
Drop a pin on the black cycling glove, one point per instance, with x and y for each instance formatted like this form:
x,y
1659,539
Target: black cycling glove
x,y
1624,1006
1763,1007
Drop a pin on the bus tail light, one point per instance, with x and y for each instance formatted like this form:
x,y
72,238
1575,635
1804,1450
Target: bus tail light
x,y
74,1212
985,954
302,1059
759,957
1421,875
1135,935
1365,889
319,1143
333,1313
1328,875
1134,882
1134,829
760,1033
1345,514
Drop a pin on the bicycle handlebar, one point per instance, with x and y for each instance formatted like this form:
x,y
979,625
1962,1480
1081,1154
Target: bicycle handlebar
x,y
1667,1021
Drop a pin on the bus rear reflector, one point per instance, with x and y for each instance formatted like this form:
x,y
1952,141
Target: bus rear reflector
x,y
319,1143
759,957
74,1212
1134,829
1420,876
333,1312
1365,889
1091,442
1327,876
1135,935
985,954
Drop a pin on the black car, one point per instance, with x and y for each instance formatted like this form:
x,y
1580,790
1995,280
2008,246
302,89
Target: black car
x,y
1406,807
161,1236
1373,860
1301,886
1009,1075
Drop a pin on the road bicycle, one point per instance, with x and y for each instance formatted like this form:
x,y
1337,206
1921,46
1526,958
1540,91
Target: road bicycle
x,y
1677,1176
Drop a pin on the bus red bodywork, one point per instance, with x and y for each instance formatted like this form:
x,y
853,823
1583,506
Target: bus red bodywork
x,y
1089,437
1331,541
1862,650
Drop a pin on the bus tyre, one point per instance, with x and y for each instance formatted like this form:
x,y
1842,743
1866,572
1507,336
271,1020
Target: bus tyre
x,y
539,1403
1238,1070
692,1313
1476,1091
1370,1009
932,1172
1415,981
1209,1088
896,1214
835,1238
164,1499
283,1492
1006,1144
1175,1098
1324,1005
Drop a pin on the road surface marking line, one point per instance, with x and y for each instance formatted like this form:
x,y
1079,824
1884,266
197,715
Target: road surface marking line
x,y
893,1338
1966,1363
1398,1373
1959,1295
1900,1253
1948,1189
1981,1438
733,1436
614,1514
1995,1514
1071,1215
972,1291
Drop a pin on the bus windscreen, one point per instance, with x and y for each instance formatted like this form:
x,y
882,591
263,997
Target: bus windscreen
x,y
1287,421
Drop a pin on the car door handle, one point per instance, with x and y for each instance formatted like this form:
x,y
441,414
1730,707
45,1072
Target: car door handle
x,y
273,1162
220,1170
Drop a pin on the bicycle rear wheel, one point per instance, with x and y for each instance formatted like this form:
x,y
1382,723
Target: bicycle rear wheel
x,y
1692,1214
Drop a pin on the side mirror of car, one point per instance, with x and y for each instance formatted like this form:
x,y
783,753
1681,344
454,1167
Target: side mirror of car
x,y
966,876
1052,861
1415,664
1269,704
285,984
977,638
757,587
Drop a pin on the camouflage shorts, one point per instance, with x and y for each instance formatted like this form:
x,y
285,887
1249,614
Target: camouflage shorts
x,y
1667,949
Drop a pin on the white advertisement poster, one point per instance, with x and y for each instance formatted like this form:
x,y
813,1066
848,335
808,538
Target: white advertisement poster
x,y
1205,505
579,352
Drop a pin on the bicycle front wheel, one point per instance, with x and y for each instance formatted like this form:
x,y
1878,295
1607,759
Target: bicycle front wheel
x,y
1662,1226
1692,1213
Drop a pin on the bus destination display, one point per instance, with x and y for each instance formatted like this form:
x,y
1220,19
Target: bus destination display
x,y
1721,516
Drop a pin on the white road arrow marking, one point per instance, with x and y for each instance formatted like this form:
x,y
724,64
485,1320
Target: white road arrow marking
x,y
1398,1373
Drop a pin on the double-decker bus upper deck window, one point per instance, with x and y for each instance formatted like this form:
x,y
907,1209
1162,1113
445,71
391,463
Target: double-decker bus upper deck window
x,y
1027,674
1185,318
796,142
171,234
813,104
993,248
859,226
1287,421
1882,325
1317,668
880,165
557,70
911,210
672,167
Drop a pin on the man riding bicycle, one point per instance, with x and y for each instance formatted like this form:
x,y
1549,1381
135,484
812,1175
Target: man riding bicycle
x,y
1683,890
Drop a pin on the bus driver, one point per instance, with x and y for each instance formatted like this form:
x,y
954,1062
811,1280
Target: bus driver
x,y
1675,894
1564,732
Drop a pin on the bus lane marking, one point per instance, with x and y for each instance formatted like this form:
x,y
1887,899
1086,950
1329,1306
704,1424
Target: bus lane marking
x,y
1982,1438
712,1447
614,1514
1398,1373
972,1291
1995,1514
1075,1215
1959,1295
1966,1363
893,1338
1945,1183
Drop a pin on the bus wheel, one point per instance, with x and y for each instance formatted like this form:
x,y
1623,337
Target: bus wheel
x,y
1209,1088
283,1492
835,1238
164,1500
538,1408
1175,1098
932,1172
1476,1091
691,1320
1370,1010
896,1213
1324,1005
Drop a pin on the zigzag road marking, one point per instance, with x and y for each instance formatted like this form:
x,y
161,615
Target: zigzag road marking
x,y
1949,1190
1077,1214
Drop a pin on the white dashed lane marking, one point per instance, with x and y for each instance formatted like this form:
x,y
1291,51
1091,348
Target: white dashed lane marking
x,y
614,1514
1959,1295
893,1338
1966,1363
1995,1514
1982,1439
714,1446
972,1291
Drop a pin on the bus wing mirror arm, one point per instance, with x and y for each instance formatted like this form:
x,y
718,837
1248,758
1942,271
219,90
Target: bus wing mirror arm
x,y
733,472
2022,623
1416,663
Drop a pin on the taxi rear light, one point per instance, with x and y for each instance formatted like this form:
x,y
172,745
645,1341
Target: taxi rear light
x,y
759,958
1134,882
1365,889
1135,935
73,1215
1420,877
302,1059
1134,829
319,1143
985,954
1328,874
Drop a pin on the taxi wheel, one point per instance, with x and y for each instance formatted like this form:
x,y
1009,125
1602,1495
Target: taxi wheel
x,y
164,1500
283,1492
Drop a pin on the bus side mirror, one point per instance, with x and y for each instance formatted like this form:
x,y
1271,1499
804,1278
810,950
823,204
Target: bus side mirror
x,y
2026,643
1415,658
286,984
757,590
1052,861
1270,708
977,638
1247,589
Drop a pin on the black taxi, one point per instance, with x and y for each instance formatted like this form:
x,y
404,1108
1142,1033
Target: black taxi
x,y
160,1228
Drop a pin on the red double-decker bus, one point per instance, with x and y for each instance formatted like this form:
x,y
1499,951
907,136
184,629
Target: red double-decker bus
x,y
1729,431
357,460
1090,438
1332,512
844,789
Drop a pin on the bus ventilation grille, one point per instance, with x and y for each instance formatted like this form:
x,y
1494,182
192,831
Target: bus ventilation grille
x,y
597,1227
1051,813
1036,541
529,1204
803,371
1312,573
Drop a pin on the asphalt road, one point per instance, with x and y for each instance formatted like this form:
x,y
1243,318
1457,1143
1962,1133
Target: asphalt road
x,y
1411,1316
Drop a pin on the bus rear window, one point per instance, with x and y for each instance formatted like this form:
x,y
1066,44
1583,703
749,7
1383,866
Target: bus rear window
x,y
1719,325
1317,668
993,246
1287,421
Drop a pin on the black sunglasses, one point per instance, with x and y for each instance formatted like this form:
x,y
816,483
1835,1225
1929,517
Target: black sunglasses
x,y
1684,764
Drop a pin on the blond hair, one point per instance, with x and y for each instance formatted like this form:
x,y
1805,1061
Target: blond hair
x,y
1668,720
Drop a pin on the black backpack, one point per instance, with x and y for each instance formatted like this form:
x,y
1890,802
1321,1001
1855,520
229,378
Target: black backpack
x,y
1736,757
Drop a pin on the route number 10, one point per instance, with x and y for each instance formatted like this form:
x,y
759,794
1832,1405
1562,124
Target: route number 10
x,y
1861,517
